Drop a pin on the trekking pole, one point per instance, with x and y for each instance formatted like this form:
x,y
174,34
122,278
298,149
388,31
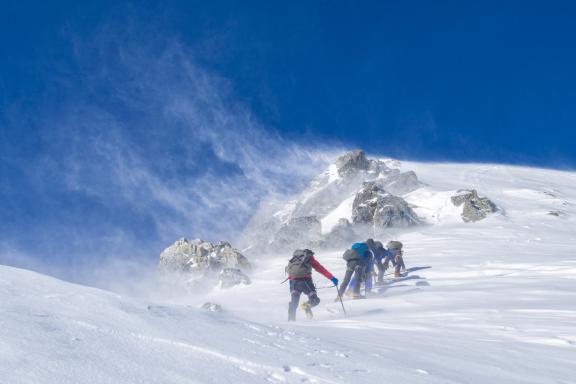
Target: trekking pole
x,y
326,287
341,302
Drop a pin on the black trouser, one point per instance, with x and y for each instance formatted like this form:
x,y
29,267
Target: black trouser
x,y
298,287
356,269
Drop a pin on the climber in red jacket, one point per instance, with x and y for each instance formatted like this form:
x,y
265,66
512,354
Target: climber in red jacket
x,y
299,271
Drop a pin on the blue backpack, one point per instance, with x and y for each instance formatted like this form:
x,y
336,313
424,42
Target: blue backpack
x,y
361,249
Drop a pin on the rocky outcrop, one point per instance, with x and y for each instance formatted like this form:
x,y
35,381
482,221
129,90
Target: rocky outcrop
x,y
475,208
203,264
374,206
352,162
302,231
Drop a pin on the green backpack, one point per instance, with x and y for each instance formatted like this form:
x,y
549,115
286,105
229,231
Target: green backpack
x,y
300,265
350,254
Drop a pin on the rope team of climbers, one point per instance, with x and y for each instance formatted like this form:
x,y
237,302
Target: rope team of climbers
x,y
361,261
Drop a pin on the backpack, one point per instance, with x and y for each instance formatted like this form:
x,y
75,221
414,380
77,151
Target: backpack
x,y
394,245
300,265
361,249
350,254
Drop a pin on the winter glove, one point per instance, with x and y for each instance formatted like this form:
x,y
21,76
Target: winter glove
x,y
334,280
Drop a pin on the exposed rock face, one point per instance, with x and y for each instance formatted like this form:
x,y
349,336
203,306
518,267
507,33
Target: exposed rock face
x,y
373,205
352,162
475,208
303,231
201,263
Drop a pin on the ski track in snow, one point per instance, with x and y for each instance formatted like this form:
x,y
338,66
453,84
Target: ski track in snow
x,y
488,302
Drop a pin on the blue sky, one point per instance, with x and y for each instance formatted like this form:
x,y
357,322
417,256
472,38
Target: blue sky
x,y
124,126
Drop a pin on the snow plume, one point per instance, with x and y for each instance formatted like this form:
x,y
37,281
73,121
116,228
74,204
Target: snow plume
x,y
139,145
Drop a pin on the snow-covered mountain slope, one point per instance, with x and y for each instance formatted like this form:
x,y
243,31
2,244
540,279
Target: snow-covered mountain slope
x,y
55,332
485,302
490,301
330,197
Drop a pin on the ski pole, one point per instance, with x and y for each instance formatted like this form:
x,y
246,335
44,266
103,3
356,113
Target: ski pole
x,y
341,302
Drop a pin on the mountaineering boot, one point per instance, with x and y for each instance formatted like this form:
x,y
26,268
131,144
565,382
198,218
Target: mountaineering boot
x,y
397,274
307,308
358,296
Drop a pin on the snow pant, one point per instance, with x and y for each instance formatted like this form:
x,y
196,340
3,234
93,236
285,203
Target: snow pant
x,y
381,269
399,264
366,278
352,269
298,287
387,260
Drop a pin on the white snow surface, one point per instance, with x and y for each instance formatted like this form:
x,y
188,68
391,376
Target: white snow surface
x,y
486,302
343,211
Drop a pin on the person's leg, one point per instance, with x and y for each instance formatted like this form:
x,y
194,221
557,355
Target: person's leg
x,y
368,281
346,280
295,293
352,284
398,266
380,268
310,291
358,275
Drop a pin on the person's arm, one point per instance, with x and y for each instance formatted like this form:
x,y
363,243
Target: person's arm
x,y
318,267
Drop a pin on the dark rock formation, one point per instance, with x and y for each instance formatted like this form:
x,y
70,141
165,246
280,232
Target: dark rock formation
x,y
352,162
201,264
373,205
475,208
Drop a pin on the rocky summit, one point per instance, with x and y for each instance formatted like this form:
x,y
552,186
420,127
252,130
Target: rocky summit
x,y
353,162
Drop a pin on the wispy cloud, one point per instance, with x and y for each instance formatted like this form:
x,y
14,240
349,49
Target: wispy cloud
x,y
137,127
